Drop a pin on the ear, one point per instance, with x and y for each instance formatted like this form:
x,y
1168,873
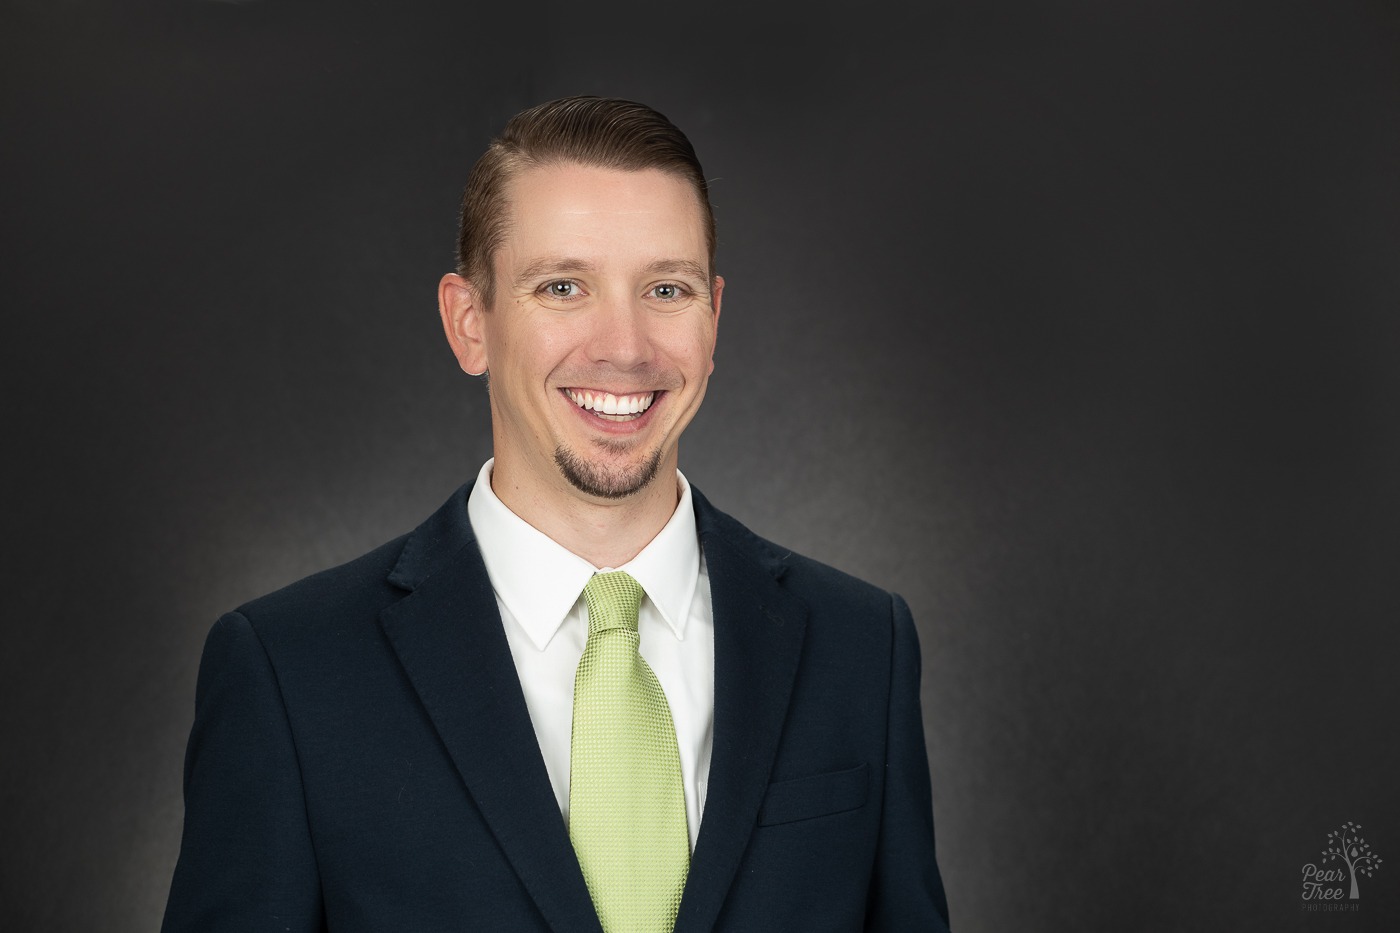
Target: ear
x,y
460,306
716,293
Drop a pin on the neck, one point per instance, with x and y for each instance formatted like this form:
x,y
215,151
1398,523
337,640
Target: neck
x,y
604,532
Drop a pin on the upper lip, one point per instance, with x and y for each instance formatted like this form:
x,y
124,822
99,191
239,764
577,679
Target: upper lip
x,y
618,392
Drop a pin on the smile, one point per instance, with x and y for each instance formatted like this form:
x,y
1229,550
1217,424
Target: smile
x,y
611,407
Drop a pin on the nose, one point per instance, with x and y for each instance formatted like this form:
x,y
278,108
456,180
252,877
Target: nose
x,y
620,334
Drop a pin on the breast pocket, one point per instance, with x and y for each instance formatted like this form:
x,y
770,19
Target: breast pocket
x,y
810,797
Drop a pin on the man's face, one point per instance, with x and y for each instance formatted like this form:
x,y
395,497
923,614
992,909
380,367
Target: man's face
x,y
602,335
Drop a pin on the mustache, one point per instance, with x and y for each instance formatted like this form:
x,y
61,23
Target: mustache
x,y
641,379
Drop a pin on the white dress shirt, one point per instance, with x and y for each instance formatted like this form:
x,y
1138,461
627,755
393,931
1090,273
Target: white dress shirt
x,y
539,589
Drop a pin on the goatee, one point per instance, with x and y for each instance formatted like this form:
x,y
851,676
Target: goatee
x,y
604,482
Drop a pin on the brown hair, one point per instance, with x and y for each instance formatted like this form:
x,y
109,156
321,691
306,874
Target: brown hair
x,y
599,131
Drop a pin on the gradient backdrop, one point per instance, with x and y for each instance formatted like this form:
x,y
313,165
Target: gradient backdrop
x,y
1074,325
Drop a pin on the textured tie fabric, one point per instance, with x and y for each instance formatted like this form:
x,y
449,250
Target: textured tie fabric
x,y
626,800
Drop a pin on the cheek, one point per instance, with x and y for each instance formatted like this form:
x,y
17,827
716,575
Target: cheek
x,y
689,344
531,348
698,352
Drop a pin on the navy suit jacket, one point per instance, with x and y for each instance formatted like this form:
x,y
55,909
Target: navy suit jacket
x,y
362,758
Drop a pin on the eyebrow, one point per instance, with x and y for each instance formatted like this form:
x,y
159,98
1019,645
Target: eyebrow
x,y
552,265
557,265
677,267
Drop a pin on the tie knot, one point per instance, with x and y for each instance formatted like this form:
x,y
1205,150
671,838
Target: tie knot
x,y
613,601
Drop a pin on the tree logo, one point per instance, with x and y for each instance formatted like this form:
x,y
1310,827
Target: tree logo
x,y
1345,845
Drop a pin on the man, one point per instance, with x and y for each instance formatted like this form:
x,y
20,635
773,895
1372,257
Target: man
x,y
578,696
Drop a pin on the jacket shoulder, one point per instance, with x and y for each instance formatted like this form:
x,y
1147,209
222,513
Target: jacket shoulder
x,y
816,583
355,589
355,592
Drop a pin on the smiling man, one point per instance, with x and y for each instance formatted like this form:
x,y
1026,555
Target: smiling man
x,y
577,697
596,318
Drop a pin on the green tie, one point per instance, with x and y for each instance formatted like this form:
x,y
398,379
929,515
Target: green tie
x,y
626,800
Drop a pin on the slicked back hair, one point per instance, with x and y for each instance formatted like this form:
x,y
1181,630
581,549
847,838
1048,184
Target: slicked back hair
x,y
603,132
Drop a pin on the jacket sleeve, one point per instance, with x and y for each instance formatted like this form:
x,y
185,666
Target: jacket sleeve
x,y
246,859
906,890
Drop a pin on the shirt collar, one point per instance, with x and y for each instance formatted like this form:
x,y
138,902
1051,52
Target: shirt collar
x,y
539,580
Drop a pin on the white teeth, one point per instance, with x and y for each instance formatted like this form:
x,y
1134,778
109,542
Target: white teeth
x,y
605,403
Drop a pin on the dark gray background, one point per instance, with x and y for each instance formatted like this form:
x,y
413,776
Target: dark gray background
x,y
1076,326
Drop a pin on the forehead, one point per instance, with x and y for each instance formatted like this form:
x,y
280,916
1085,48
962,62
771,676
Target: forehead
x,y
601,215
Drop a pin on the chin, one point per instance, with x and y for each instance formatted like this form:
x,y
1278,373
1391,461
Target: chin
x,y
604,480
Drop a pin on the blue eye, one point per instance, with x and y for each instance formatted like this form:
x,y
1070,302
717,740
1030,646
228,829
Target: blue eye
x,y
563,288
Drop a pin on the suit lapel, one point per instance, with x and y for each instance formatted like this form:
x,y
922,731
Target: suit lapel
x,y
759,630
448,636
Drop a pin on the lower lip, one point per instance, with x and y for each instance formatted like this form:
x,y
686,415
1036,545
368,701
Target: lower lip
x,y
607,426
